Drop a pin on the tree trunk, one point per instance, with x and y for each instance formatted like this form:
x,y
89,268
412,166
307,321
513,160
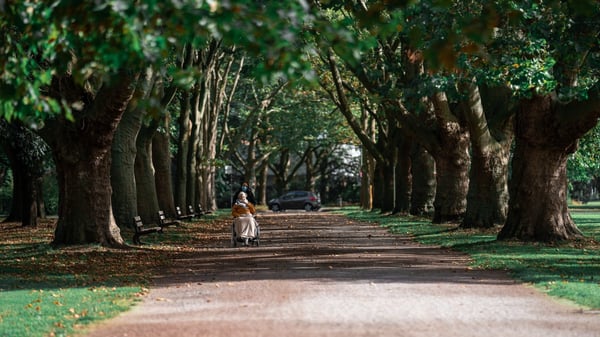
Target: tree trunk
x,y
538,206
85,211
452,163
367,177
163,178
195,147
41,204
538,187
122,171
424,182
182,157
81,151
211,151
30,210
19,186
378,189
403,176
261,190
385,187
452,169
144,176
487,200
18,145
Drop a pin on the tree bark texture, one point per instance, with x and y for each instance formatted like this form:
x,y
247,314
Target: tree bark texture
x,y
163,178
452,162
193,157
487,200
210,148
22,148
538,204
147,199
261,186
423,181
378,194
403,176
452,172
85,210
19,185
182,157
367,177
385,187
545,135
41,204
123,151
82,153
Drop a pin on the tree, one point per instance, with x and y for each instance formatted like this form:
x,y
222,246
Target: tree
x,y
491,134
28,157
292,131
583,167
76,78
244,143
124,153
560,103
389,70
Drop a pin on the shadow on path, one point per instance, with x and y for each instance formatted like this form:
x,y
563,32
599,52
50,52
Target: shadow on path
x,y
326,247
318,274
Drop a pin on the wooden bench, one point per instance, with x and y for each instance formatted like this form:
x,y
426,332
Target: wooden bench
x,y
201,211
164,222
140,230
191,211
181,216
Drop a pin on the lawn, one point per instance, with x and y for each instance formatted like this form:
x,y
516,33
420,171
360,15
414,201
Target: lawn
x,y
59,292
569,270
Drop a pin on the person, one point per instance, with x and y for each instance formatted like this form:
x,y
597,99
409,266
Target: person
x,y
243,213
246,189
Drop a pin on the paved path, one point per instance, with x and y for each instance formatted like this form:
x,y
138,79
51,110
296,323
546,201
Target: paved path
x,y
317,274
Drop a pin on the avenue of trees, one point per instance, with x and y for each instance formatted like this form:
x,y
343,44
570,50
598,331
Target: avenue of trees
x,y
465,110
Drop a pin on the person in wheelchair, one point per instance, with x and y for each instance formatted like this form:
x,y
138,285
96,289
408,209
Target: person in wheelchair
x,y
243,212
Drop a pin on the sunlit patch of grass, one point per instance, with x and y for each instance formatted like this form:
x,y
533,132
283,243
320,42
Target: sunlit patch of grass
x,y
61,312
47,291
568,270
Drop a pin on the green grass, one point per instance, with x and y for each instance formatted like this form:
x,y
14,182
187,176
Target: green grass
x,y
566,270
60,312
59,292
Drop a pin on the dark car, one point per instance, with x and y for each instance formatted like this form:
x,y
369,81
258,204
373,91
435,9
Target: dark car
x,y
296,200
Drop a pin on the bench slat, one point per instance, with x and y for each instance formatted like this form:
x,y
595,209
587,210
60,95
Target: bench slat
x,y
164,222
140,229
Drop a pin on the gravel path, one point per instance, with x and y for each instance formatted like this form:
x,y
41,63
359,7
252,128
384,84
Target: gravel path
x,y
318,274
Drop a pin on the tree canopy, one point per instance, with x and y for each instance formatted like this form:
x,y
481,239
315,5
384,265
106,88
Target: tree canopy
x,y
446,77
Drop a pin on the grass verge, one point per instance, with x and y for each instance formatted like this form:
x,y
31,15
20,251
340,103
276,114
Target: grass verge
x,y
566,270
59,292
